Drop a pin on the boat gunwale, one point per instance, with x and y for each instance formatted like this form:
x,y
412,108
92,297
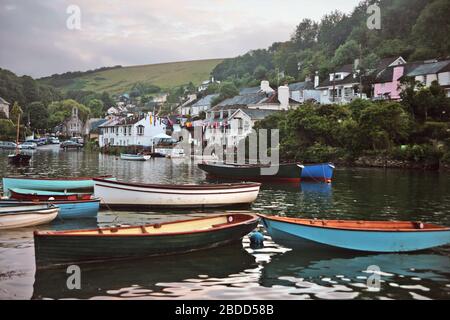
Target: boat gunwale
x,y
43,202
304,224
251,218
181,186
247,165
47,211
57,178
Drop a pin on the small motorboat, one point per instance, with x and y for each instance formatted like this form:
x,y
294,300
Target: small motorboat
x,y
126,195
68,209
40,195
49,184
283,172
26,216
370,236
19,159
134,157
321,172
75,246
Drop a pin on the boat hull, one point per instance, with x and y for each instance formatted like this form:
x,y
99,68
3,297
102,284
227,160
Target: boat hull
x,y
40,195
67,209
322,172
53,250
129,196
27,218
285,173
19,159
50,184
359,240
134,157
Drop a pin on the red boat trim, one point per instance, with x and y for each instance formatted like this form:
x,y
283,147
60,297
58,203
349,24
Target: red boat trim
x,y
282,219
245,219
37,202
182,186
177,193
316,179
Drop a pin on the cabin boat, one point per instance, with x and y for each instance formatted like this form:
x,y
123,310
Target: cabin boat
x,y
40,195
67,209
285,172
320,172
48,184
134,157
51,247
126,195
369,236
26,216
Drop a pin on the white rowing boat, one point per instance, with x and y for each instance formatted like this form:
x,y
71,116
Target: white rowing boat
x,y
117,194
26,216
134,157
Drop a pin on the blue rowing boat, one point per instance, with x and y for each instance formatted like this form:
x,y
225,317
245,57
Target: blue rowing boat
x,y
48,184
321,172
370,236
67,209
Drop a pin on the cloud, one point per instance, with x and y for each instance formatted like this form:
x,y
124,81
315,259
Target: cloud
x,y
36,41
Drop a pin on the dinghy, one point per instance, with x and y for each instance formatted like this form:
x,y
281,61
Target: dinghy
x,y
26,216
75,246
125,195
321,172
48,184
370,236
134,157
67,209
285,172
40,195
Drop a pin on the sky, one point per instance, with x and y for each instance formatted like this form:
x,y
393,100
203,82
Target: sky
x,y
36,40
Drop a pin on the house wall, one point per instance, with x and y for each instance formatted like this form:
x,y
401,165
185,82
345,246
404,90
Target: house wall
x,y
390,88
444,78
5,109
326,96
123,136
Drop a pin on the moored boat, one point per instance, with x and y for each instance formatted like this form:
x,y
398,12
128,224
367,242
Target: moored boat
x,y
40,195
283,172
67,209
26,216
370,236
125,195
134,157
19,159
51,247
320,172
48,184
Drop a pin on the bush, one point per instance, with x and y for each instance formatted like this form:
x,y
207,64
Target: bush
x,y
418,153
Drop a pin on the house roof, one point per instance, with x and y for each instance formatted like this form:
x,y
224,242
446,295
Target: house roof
x,y
297,86
251,90
387,74
243,100
255,114
347,80
430,68
205,101
348,68
96,124
3,101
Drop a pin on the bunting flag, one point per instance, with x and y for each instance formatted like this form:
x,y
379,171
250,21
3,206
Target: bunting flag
x,y
151,122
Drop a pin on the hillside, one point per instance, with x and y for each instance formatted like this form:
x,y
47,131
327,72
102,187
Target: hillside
x,y
120,79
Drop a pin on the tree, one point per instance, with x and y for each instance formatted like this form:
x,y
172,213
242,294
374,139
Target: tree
x,y
96,108
108,102
291,66
15,113
38,115
61,110
260,72
305,34
346,53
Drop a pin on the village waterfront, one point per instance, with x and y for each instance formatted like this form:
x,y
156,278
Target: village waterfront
x,y
239,271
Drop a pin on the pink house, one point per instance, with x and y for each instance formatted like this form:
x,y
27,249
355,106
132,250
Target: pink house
x,y
387,82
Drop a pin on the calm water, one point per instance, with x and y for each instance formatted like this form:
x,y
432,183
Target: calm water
x,y
239,272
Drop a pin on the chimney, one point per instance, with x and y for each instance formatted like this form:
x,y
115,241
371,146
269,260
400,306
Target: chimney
x,y
265,86
316,80
283,97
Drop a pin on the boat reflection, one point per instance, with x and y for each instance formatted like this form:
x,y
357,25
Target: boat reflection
x,y
151,277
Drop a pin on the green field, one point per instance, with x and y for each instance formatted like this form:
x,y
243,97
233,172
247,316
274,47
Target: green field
x,y
164,75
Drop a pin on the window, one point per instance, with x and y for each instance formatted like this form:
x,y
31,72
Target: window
x,y
124,131
140,130
129,130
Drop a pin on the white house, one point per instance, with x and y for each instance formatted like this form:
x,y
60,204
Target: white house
x,y
205,84
303,91
131,131
201,105
433,70
4,107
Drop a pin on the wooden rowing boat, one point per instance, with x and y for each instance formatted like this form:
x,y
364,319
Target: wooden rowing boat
x,y
285,172
40,195
75,246
72,209
134,157
125,195
49,184
371,236
26,216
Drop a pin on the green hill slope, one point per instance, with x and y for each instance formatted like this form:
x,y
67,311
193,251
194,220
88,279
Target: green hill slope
x,y
121,79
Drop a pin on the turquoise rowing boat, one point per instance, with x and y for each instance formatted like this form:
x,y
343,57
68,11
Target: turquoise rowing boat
x,y
370,236
48,184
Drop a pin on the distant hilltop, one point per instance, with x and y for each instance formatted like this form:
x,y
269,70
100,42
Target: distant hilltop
x,y
119,79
